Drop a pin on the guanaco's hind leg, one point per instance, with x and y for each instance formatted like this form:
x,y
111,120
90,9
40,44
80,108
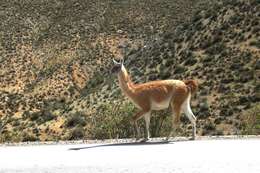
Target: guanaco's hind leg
x,y
176,112
176,104
188,112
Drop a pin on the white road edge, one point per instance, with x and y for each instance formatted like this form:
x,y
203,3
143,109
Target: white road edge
x,y
206,155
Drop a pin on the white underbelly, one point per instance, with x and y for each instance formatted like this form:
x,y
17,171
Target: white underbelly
x,y
161,105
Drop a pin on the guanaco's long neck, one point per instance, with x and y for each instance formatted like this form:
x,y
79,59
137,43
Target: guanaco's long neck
x,y
125,82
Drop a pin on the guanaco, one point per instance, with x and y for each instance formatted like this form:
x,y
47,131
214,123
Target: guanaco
x,y
157,95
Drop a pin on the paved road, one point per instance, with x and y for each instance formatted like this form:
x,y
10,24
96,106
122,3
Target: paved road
x,y
209,156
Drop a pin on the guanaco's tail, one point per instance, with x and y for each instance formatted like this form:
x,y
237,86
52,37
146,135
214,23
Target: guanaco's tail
x,y
192,85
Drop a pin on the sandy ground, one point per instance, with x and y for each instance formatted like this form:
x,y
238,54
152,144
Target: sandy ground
x,y
209,156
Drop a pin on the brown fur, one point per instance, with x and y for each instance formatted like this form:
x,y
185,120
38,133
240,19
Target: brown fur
x,y
156,92
192,85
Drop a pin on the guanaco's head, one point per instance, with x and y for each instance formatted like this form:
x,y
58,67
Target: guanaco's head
x,y
117,66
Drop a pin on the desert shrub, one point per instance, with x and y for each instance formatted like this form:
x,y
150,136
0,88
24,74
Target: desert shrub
x,y
209,128
15,123
112,121
235,19
161,123
47,116
96,80
257,65
230,2
179,69
10,136
166,75
255,30
26,137
190,61
77,133
251,121
34,116
40,116
76,119
257,88
207,59
197,16
204,109
255,43
215,49
219,132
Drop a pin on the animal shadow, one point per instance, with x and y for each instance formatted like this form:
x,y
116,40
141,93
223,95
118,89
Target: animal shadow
x,y
121,144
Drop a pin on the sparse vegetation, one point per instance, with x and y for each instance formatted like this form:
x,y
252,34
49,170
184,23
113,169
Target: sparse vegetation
x,y
255,43
55,80
251,121
112,121
77,133
77,119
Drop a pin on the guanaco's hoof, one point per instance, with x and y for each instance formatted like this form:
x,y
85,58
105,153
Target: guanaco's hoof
x,y
142,140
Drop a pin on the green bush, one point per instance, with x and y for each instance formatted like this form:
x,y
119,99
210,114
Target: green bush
x,y
251,121
179,69
215,49
26,137
255,43
77,133
40,117
112,121
77,119
161,123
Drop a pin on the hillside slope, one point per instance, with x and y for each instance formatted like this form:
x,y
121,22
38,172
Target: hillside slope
x,y
55,62
219,47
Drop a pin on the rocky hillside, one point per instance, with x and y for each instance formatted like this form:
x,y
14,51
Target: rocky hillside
x,y
56,56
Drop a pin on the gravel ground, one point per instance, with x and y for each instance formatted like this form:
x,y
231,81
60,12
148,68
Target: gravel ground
x,y
209,155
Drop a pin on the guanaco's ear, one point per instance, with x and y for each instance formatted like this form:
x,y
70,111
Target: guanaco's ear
x,y
122,61
115,62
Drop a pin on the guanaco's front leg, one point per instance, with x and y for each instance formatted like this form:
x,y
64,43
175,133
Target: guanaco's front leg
x,y
136,117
